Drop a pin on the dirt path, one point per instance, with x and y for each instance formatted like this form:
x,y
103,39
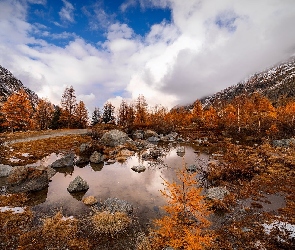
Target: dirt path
x,y
50,134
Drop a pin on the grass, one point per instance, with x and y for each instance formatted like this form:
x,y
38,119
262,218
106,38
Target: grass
x,y
111,224
31,151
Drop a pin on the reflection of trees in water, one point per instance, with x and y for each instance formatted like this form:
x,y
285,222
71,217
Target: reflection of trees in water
x,y
157,164
202,168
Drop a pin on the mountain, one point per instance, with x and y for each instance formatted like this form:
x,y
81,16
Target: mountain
x,y
273,83
9,85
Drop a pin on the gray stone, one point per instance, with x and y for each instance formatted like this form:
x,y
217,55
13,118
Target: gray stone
x,y
138,134
153,139
96,157
84,147
5,170
78,185
114,138
81,160
116,205
138,169
217,193
150,133
191,168
26,179
65,161
283,142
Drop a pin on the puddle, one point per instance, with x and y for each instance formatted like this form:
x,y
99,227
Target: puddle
x,y
116,180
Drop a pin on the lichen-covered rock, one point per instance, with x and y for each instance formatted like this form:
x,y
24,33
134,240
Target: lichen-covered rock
x,y
78,185
5,170
65,161
96,157
26,179
116,205
84,147
114,138
191,168
283,142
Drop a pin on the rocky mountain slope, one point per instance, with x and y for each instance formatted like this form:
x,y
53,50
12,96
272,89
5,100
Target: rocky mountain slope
x,y
274,83
9,85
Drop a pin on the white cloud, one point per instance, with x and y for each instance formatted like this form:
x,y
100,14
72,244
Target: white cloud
x,y
67,12
209,45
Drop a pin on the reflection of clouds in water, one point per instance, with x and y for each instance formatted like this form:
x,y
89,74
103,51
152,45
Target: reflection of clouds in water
x,y
118,180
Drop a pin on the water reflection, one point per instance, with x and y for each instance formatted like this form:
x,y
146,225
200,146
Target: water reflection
x,y
118,180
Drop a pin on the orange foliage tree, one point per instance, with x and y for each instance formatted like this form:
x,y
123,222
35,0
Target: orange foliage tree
x,y
185,224
141,114
81,115
69,105
44,114
18,111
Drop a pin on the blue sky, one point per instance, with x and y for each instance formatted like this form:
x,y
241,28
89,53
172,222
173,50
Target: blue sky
x,y
171,51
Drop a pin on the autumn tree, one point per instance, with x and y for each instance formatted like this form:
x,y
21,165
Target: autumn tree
x,y
18,111
158,120
44,114
211,118
108,115
185,223
141,109
69,105
81,115
96,116
197,113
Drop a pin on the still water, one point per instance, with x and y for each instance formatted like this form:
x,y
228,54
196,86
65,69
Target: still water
x,y
117,180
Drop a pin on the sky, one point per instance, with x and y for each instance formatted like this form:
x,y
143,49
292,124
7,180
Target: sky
x,y
171,51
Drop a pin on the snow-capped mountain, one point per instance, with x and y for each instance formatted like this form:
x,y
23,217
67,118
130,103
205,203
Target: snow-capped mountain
x,y
274,83
9,85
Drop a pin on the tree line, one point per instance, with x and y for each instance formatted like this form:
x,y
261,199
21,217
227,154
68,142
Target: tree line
x,y
245,115
19,113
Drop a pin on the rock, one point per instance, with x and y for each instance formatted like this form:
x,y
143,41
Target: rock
x,y
138,169
66,161
78,185
153,139
90,200
155,153
26,179
217,193
5,170
114,138
50,172
137,135
283,142
110,161
150,133
96,157
84,147
191,168
116,205
81,160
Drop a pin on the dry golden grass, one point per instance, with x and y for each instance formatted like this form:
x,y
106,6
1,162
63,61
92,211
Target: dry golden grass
x,y
143,243
13,200
57,232
40,148
108,223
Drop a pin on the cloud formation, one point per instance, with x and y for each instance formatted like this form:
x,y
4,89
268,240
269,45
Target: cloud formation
x,y
208,46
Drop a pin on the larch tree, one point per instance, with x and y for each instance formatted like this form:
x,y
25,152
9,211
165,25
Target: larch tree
x,y
18,111
141,107
69,105
185,223
81,115
44,114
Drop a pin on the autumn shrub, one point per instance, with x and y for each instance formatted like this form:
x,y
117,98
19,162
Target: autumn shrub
x,y
56,232
185,224
110,223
